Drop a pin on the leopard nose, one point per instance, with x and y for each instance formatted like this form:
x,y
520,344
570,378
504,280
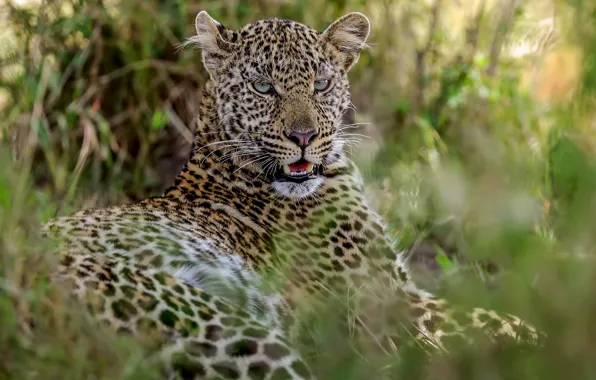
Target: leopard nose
x,y
302,139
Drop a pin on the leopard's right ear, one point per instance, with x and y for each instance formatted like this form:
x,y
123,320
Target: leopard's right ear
x,y
212,37
348,36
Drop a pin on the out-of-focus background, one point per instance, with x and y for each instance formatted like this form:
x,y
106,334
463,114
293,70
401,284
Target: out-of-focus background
x,y
478,139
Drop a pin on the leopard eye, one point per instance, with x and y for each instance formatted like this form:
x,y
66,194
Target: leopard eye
x,y
322,84
262,87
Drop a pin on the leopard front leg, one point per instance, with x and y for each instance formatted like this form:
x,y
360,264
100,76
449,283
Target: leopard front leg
x,y
435,320
200,335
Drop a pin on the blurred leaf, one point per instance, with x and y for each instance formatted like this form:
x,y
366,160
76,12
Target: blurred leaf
x,y
442,259
159,120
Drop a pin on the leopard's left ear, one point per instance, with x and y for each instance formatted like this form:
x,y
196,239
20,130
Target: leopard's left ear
x,y
212,38
348,36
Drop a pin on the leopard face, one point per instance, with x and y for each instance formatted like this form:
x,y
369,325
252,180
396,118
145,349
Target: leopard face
x,y
281,89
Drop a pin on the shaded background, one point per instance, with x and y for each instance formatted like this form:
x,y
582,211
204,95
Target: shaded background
x,y
477,146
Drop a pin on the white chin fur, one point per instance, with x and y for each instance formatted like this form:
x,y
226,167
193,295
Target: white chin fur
x,y
297,190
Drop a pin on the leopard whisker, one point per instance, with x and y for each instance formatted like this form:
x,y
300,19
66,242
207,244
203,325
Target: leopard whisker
x,y
237,153
343,134
233,145
260,158
265,165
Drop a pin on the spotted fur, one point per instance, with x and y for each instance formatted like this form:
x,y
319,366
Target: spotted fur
x,y
189,265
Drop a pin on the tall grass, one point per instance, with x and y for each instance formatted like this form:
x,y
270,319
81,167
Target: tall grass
x,y
480,117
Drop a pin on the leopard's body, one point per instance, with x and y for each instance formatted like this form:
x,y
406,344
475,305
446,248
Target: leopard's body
x,y
189,264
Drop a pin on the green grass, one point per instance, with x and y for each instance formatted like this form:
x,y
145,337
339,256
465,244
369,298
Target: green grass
x,y
487,178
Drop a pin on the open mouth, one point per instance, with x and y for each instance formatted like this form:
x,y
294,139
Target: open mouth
x,y
298,171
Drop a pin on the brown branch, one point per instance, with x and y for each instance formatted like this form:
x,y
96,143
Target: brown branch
x,y
500,34
420,56
138,65
462,61
474,31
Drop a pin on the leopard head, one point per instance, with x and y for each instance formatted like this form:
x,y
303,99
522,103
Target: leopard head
x,y
280,89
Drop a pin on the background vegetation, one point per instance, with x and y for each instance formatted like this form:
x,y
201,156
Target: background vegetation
x,y
480,149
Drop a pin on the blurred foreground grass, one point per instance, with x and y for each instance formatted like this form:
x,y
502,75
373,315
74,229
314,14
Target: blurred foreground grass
x,y
481,155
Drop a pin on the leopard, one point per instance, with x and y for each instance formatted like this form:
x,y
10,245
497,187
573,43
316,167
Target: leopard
x,y
268,216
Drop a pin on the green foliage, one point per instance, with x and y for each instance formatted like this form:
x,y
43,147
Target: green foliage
x,y
44,332
97,101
